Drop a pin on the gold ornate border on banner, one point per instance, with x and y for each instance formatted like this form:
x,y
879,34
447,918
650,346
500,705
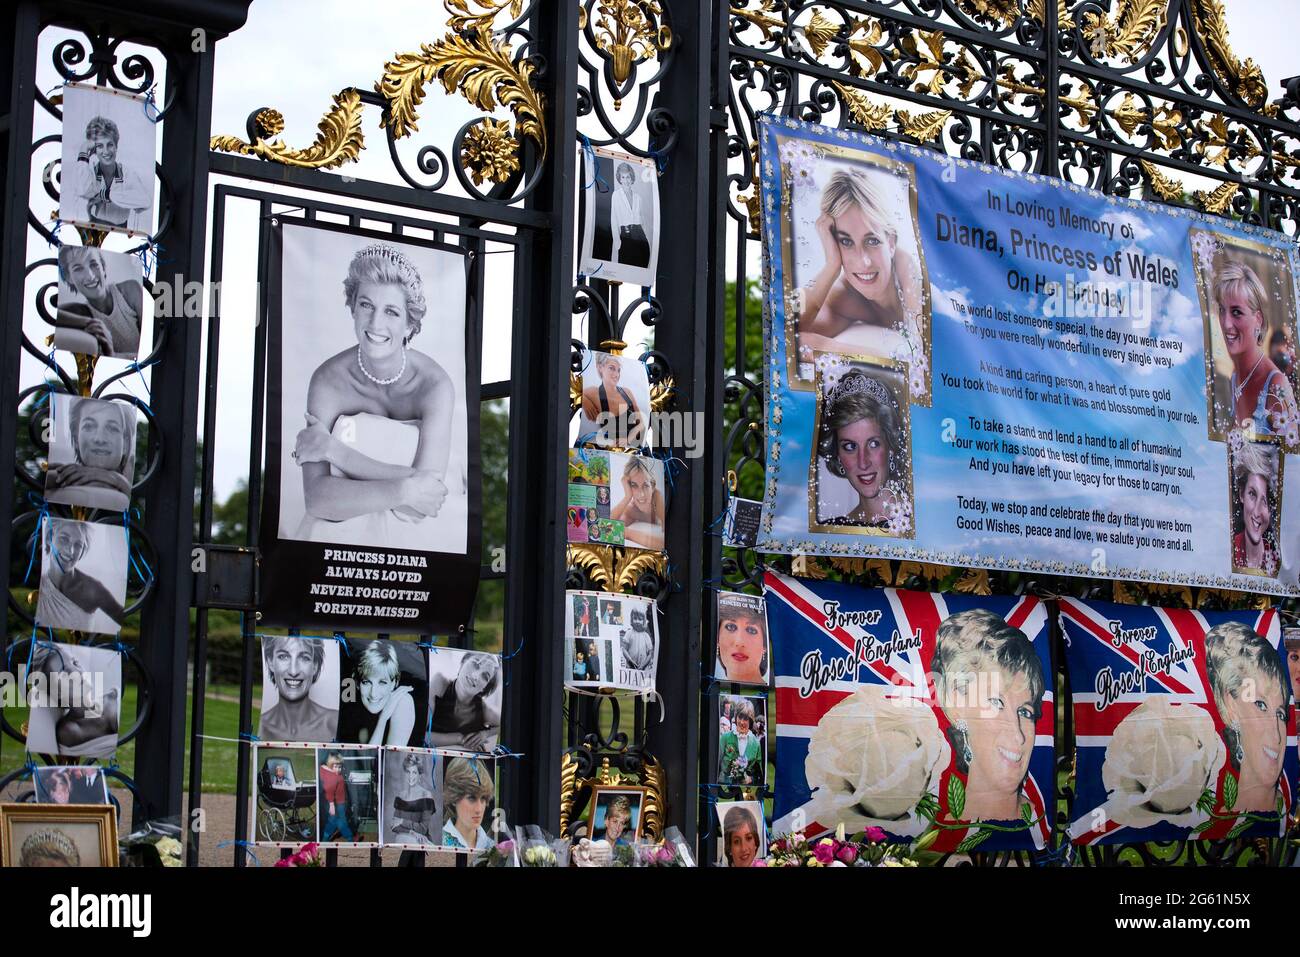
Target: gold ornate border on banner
x,y
469,60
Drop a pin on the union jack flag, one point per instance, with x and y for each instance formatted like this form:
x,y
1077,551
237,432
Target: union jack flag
x,y
831,640
1175,777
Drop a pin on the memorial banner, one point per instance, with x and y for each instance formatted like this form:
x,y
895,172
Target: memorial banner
x,y
912,712
972,366
371,519
1184,723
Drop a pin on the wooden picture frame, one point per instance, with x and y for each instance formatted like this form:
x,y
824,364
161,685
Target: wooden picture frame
x,y
19,823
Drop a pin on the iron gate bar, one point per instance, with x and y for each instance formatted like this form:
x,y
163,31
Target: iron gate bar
x,y
229,164
248,621
19,64
535,566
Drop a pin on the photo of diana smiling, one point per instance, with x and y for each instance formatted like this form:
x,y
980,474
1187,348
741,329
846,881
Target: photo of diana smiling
x,y
92,453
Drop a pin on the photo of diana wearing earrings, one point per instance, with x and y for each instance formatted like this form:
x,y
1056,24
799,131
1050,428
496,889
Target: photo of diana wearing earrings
x,y
620,237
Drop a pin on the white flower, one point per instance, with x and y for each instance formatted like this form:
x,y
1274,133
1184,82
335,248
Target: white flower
x,y
1204,247
871,760
1236,440
899,521
1159,761
800,161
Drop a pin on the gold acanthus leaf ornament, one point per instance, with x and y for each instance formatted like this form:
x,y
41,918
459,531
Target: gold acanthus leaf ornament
x,y
662,394
871,116
1129,32
596,561
924,126
568,789
632,563
819,31
1217,201
338,141
479,67
473,14
1244,80
1164,186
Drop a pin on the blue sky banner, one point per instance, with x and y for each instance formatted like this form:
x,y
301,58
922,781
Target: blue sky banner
x,y
929,716
1184,723
973,366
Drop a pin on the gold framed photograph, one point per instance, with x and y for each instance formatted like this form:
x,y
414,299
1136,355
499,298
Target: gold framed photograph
x,y
58,835
1248,311
854,278
614,814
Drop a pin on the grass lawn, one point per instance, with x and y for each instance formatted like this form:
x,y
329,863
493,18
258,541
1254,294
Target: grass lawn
x,y
221,720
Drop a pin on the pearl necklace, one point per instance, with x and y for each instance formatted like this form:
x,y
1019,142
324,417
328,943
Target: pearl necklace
x,y
1237,390
366,372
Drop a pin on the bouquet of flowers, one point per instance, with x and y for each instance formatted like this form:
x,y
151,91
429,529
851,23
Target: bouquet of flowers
x,y
498,855
306,856
657,855
867,849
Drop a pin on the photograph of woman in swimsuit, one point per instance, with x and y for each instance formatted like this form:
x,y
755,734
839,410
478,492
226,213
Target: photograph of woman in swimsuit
x,y
76,703
373,415
83,576
615,401
854,271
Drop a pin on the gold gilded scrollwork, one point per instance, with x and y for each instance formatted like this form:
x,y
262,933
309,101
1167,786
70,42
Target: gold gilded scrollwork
x,y
463,16
596,561
478,66
468,60
1166,187
1244,80
877,116
1127,33
490,152
1218,200
662,394
631,563
338,141
614,569
568,789
771,26
652,777
627,33
655,780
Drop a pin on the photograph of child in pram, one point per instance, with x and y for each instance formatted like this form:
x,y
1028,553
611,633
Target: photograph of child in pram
x,y
286,796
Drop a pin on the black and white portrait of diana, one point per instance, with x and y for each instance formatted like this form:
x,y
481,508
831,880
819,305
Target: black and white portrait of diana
x,y
92,452
83,576
300,689
373,416
101,303
106,178
620,237
75,697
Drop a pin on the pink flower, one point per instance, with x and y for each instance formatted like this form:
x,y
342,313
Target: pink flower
x,y
284,862
506,847
824,852
847,853
665,855
875,835
759,862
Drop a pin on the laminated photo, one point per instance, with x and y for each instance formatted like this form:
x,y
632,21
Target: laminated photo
x,y
107,175
83,576
75,697
300,689
92,452
610,641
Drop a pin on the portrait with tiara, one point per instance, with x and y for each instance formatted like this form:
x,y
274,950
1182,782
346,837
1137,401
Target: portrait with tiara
x,y
860,477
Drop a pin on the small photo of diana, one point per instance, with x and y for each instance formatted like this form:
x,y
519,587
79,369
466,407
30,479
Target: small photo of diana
x,y
1255,507
860,479
620,235
92,453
